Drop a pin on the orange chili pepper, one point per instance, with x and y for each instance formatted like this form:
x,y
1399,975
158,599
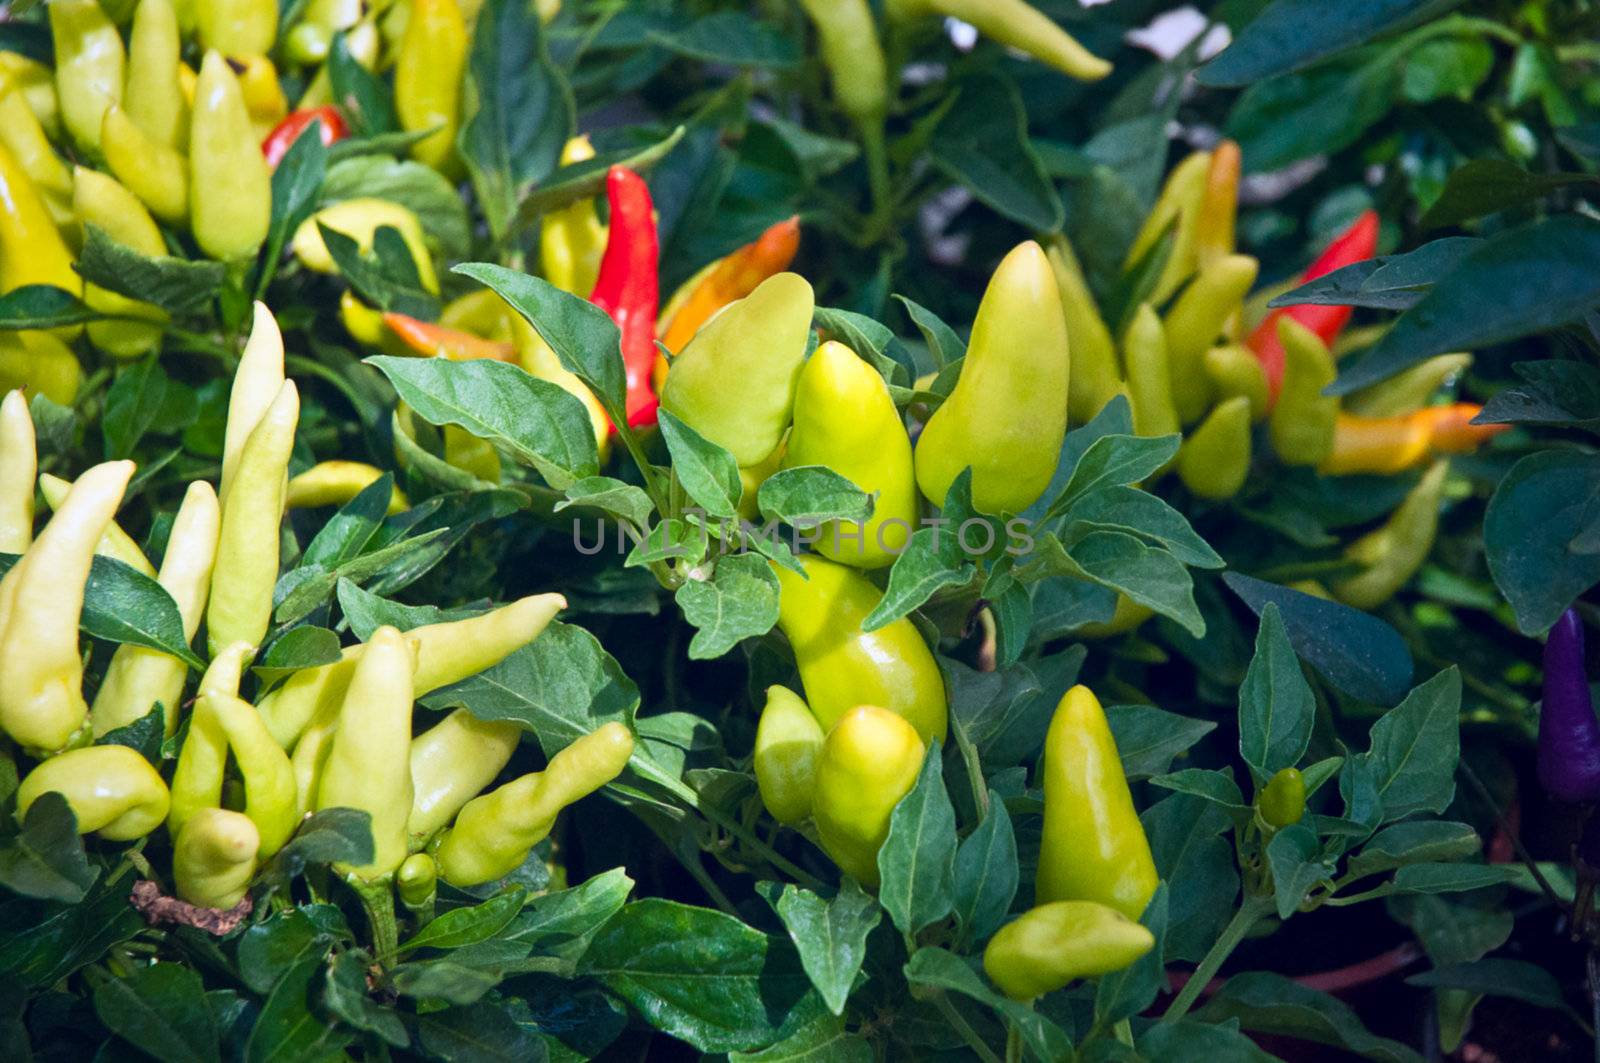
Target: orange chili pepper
x,y
1387,445
735,277
426,338
1214,229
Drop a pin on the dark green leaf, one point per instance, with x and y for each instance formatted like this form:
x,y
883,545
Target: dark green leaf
x,y
698,975
982,143
42,306
1484,186
519,109
1544,275
178,285
1354,651
1532,530
161,1010
1264,1002
830,936
539,423
1291,34
738,601
1276,706
985,873
917,861
46,858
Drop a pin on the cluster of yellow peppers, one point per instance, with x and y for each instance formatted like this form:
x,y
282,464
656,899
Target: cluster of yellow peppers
x,y
335,735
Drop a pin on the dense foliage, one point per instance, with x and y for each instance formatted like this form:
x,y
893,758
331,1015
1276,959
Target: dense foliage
x,y
1303,560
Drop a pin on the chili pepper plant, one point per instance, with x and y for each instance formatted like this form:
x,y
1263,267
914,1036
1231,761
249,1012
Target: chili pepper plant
x,y
833,529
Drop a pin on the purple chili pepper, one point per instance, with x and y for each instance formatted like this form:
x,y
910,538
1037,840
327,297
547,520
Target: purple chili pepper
x,y
1569,735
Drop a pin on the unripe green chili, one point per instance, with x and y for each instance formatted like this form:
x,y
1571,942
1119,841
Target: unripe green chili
x,y
240,608
1195,321
1392,554
1214,460
19,463
1282,801
369,762
734,383
1096,376
1048,947
41,671
89,66
153,96
451,763
417,881
1178,209
848,40
1149,375
112,790
115,543
1302,420
1008,412
230,186
845,420
1408,391
788,743
1094,847
870,760
1234,370
842,666
494,833
138,676
214,858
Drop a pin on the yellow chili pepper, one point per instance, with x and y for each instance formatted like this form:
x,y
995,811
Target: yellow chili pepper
x,y
427,80
112,790
139,677
156,173
237,27
1178,209
1195,321
21,133
214,857
89,67
333,483
99,200
41,671
255,384
31,248
1302,420
114,543
39,362
19,463
572,239
1096,372
153,95
360,219
230,188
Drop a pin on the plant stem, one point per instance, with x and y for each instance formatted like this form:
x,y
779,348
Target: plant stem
x,y
1516,839
686,794
1249,913
1013,1043
964,1028
377,900
877,177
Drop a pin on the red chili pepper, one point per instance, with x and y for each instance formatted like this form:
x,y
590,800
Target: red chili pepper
x,y
628,287
288,131
1355,244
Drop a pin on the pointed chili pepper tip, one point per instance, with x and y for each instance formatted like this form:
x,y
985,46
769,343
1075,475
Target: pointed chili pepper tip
x,y
1568,754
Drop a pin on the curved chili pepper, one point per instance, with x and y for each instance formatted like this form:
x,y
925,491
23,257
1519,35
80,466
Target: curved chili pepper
x,y
1016,24
1568,753
733,277
431,340
286,132
333,483
1355,244
115,543
214,857
1392,553
628,287
1388,445
19,463
1047,947
112,790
